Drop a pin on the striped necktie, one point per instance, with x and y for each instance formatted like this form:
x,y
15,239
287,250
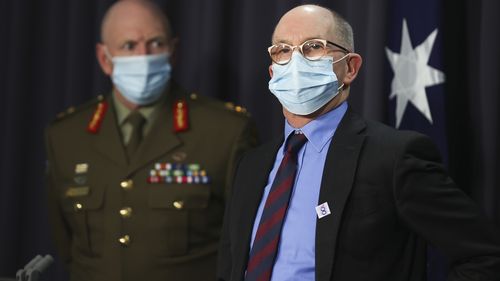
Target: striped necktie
x,y
266,241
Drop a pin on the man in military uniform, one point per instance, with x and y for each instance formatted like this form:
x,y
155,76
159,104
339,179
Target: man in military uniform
x,y
138,179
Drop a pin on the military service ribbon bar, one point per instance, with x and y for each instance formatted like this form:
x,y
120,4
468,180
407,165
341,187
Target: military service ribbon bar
x,y
178,173
96,121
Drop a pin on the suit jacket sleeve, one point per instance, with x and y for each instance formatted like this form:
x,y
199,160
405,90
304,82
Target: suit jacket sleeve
x,y
224,259
432,205
60,230
245,140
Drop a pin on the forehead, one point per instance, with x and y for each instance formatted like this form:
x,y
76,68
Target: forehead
x,y
296,28
134,24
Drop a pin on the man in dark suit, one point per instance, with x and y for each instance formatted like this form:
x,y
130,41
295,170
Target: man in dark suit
x,y
138,179
338,197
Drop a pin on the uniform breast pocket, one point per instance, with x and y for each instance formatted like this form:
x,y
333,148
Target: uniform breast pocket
x,y
83,212
168,221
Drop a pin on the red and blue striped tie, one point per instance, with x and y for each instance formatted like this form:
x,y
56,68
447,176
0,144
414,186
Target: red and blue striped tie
x,y
266,241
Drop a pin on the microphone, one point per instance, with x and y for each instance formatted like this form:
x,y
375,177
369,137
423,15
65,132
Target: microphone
x,y
33,269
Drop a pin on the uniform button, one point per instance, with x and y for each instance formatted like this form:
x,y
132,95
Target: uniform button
x,y
124,240
178,204
127,184
78,207
126,212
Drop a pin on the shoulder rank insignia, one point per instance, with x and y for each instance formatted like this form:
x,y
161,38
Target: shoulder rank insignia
x,y
231,106
181,119
96,121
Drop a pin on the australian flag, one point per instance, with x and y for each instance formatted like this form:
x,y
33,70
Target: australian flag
x,y
415,79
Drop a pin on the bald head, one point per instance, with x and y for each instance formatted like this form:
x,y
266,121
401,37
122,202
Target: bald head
x,y
133,28
313,21
133,13
307,22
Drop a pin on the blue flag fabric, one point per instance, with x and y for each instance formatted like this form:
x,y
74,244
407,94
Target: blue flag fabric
x,y
415,82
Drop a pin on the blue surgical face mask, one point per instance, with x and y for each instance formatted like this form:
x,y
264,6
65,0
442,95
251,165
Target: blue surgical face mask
x,y
303,86
141,79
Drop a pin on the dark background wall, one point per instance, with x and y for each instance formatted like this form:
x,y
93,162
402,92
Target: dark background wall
x,y
47,64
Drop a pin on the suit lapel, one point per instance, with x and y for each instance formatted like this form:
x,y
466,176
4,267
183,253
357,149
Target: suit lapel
x,y
160,140
106,140
250,195
338,177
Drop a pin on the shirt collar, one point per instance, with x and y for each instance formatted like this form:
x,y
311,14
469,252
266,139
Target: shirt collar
x,y
320,130
148,112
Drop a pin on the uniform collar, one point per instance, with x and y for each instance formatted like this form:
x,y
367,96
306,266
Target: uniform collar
x,y
149,112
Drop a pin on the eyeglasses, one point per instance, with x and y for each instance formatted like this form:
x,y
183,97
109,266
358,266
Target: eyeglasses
x,y
313,49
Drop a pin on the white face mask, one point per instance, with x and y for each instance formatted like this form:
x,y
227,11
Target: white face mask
x,y
303,86
141,79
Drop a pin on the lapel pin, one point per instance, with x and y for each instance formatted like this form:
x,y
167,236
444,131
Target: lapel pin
x,y
323,210
179,156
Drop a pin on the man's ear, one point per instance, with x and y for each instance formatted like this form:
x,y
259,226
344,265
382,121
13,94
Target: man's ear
x,y
103,59
353,62
271,71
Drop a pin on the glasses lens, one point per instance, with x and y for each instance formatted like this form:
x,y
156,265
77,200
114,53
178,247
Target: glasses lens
x,y
281,53
313,49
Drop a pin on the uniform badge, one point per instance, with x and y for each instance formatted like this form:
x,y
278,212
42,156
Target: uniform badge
x,y
179,156
95,123
77,191
80,170
178,173
181,117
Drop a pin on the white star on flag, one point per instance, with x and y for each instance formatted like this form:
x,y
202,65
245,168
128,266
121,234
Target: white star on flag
x,y
412,74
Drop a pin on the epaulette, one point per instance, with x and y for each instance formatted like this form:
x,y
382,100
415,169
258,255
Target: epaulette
x,y
223,105
72,109
236,108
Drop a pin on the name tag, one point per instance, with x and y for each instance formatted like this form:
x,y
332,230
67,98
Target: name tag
x,y
77,191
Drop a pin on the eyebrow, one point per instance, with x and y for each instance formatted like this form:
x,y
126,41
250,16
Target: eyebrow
x,y
156,38
288,42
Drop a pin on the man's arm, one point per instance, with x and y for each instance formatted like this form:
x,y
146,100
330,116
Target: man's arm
x,y
224,259
60,231
434,207
245,140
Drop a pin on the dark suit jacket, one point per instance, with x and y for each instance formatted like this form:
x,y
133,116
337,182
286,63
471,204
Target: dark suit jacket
x,y
387,191
173,229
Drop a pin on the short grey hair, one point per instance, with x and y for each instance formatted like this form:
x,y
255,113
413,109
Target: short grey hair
x,y
343,31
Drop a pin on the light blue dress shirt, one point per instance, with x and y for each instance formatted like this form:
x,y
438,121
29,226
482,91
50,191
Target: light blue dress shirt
x,y
296,254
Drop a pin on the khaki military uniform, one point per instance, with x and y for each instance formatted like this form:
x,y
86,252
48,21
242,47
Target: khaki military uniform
x,y
115,218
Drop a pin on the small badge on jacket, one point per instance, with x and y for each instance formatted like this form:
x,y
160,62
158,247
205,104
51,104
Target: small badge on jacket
x,y
178,173
323,210
81,170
